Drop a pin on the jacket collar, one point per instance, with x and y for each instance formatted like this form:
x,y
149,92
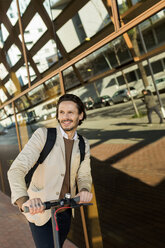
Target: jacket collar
x,y
75,137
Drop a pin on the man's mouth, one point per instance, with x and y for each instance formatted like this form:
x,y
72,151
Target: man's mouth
x,y
66,122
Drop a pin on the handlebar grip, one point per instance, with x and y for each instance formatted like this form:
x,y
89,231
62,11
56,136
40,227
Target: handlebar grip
x,y
86,204
26,209
77,199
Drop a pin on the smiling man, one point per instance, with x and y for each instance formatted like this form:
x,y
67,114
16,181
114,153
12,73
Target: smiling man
x,y
57,175
69,117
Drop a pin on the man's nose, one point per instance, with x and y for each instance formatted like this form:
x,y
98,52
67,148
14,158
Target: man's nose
x,y
66,116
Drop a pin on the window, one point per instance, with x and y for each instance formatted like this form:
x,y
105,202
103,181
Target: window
x,y
47,56
12,13
10,87
3,96
32,33
3,71
13,54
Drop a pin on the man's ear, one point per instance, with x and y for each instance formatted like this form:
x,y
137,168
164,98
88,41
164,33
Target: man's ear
x,y
81,116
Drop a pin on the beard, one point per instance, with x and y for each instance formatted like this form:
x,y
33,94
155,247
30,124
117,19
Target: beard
x,y
70,128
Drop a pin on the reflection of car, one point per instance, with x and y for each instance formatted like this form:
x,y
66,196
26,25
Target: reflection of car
x,y
88,105
160,83
31,117
3,130
11,125
124,95
102,101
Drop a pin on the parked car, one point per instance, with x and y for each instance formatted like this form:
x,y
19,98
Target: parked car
x,y
160,83
3,130
11,125
102,101
124,95
88,105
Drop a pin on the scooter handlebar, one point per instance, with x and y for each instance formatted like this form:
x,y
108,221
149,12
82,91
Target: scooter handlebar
x,y
72,202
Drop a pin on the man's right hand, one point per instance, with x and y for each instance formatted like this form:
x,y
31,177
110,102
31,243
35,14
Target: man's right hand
x,y
35,206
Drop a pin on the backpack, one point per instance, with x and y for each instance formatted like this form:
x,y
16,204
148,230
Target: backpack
x,y
50,141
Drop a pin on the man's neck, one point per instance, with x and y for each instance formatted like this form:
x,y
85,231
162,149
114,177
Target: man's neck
x,y
70,134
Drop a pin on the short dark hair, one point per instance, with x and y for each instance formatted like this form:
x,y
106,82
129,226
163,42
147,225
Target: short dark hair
x,y
146,90
77,100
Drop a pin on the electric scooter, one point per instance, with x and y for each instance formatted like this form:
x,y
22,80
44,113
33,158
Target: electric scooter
x,y
55,206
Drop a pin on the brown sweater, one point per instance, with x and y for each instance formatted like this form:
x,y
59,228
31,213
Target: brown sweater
x,y
68,153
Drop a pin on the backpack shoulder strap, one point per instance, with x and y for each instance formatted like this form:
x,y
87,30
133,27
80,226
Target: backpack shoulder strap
x,y
81,147
50,141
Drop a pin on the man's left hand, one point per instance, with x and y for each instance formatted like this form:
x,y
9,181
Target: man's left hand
x,y
85,196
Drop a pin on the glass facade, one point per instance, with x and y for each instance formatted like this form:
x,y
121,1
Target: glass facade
x,y
94,49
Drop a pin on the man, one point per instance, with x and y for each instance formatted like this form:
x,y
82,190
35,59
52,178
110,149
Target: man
x,y
56,175
151,105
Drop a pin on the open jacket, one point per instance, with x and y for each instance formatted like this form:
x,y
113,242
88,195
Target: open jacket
x,y
48,178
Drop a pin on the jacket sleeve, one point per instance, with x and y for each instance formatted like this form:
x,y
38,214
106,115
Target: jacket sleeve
x,y
24,162
84,178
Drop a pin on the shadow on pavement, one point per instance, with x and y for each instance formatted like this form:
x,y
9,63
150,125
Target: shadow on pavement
x,y
147,137
131,212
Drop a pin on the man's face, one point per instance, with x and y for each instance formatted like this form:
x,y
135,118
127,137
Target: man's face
x,y
68,115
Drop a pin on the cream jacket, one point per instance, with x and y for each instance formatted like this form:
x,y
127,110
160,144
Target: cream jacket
x,y
48,178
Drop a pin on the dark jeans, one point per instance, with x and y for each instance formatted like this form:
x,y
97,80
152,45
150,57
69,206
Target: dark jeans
x,y
149,112
43,235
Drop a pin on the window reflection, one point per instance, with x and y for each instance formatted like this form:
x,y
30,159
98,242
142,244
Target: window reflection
x,y
25,121
110,56
93,64
4,33
53,86
46,56
37,95
94,17
10,87
117,55
152,32
23,5
2,114
3,96
13,55
85,24
9,110
35,29
55,7
26,103
32,73
8,151
70,78
129,9
3,71
12,13
21,74
45,96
